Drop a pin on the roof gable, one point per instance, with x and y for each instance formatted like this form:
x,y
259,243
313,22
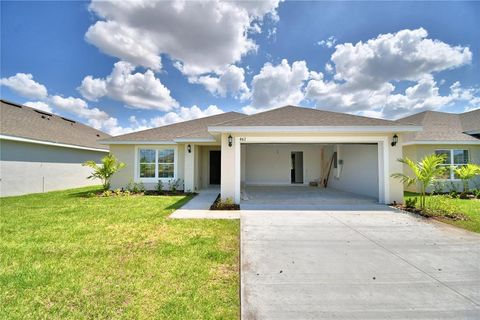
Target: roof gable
x,y
24,122
299,116
443,127
191,129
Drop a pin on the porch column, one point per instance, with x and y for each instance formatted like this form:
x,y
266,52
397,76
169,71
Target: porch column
x,y
189,170
395,185
230,169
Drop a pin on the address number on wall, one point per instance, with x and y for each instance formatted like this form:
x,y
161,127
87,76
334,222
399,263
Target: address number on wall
x,y
243,139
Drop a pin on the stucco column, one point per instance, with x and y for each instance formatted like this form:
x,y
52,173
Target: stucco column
x,y
396,186
230,177
189,171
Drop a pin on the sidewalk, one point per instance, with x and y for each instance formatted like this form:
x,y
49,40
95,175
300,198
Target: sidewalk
x,y
199,207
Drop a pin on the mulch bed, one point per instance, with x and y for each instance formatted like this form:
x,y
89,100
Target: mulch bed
x,y
443,216
218,205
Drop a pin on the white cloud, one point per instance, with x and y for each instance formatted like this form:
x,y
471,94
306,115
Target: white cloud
x,y
93,88
184,114
278,85
232,81
405,55
39,105
24,85
329,42
365,74
139,90
202,36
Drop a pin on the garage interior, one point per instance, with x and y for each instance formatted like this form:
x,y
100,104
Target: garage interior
x,y
310,174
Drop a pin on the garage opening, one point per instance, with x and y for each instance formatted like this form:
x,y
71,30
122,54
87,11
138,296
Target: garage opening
x,y
287,174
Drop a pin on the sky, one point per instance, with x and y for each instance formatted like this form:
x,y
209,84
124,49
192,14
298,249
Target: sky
x,y
123,66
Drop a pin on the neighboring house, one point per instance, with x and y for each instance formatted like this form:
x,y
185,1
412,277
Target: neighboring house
x,y
455,135
42,152
284,146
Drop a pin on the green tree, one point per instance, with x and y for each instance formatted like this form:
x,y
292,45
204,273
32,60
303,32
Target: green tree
x,y
466,173
424,172
104,172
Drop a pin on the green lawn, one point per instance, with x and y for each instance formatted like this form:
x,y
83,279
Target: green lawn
x,y
470,208
66,255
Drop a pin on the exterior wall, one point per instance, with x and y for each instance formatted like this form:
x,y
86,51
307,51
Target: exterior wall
x,y
270,164
32,168
127,154
417,152
359,172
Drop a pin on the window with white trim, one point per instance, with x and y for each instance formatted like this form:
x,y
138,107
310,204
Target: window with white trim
x,y
453,159
156,163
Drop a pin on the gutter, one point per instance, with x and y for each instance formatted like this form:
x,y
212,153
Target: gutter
x,y
50,143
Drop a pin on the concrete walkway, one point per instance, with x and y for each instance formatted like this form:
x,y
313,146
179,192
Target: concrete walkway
x,y
356,265
199,207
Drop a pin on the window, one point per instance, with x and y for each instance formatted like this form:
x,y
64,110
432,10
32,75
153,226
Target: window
x,y
454,158
156,163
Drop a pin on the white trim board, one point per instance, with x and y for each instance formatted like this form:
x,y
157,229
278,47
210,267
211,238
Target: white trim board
x,y
50,143
424,142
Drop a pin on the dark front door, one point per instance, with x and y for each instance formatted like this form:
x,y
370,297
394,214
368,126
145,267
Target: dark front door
x,y
215,157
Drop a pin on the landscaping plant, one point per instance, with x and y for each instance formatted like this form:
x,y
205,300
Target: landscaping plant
x,y
105,171
467,172
425,172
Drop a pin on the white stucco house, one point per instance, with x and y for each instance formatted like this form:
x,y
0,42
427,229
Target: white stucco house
x,y
288,146
41,152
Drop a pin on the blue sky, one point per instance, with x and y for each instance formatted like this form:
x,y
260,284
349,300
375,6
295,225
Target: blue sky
x,y
123,67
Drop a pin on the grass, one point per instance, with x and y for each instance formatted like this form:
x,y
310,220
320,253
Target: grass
x,y
66,255
469,208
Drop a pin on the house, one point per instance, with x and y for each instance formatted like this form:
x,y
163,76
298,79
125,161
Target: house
x,y
40,151
455,135
288,146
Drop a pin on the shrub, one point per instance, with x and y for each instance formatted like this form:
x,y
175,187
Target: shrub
x,y
411,202
174,185
453,194
159,186
442,206
453,187
105,171
438,187
135,187
107,193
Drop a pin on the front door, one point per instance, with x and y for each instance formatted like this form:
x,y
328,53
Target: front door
x,y
215,157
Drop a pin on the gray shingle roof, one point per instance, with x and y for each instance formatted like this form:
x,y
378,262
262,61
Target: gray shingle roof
x,y
25,122
299,116
441,126
195,129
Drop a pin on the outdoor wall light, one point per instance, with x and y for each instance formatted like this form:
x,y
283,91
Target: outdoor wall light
x,y
394,140
230,140
189,149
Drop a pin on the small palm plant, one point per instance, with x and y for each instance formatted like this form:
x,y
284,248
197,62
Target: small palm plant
x,y
466,173
104,172
425,172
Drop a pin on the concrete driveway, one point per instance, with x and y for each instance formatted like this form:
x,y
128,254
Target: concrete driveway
x,y
356,265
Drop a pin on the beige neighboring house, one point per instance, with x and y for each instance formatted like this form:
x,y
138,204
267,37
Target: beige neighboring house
x,y
288,146
40,151
455,135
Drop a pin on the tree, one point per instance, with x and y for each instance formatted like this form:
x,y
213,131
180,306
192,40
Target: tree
x,y
104,172
425,172
466,173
